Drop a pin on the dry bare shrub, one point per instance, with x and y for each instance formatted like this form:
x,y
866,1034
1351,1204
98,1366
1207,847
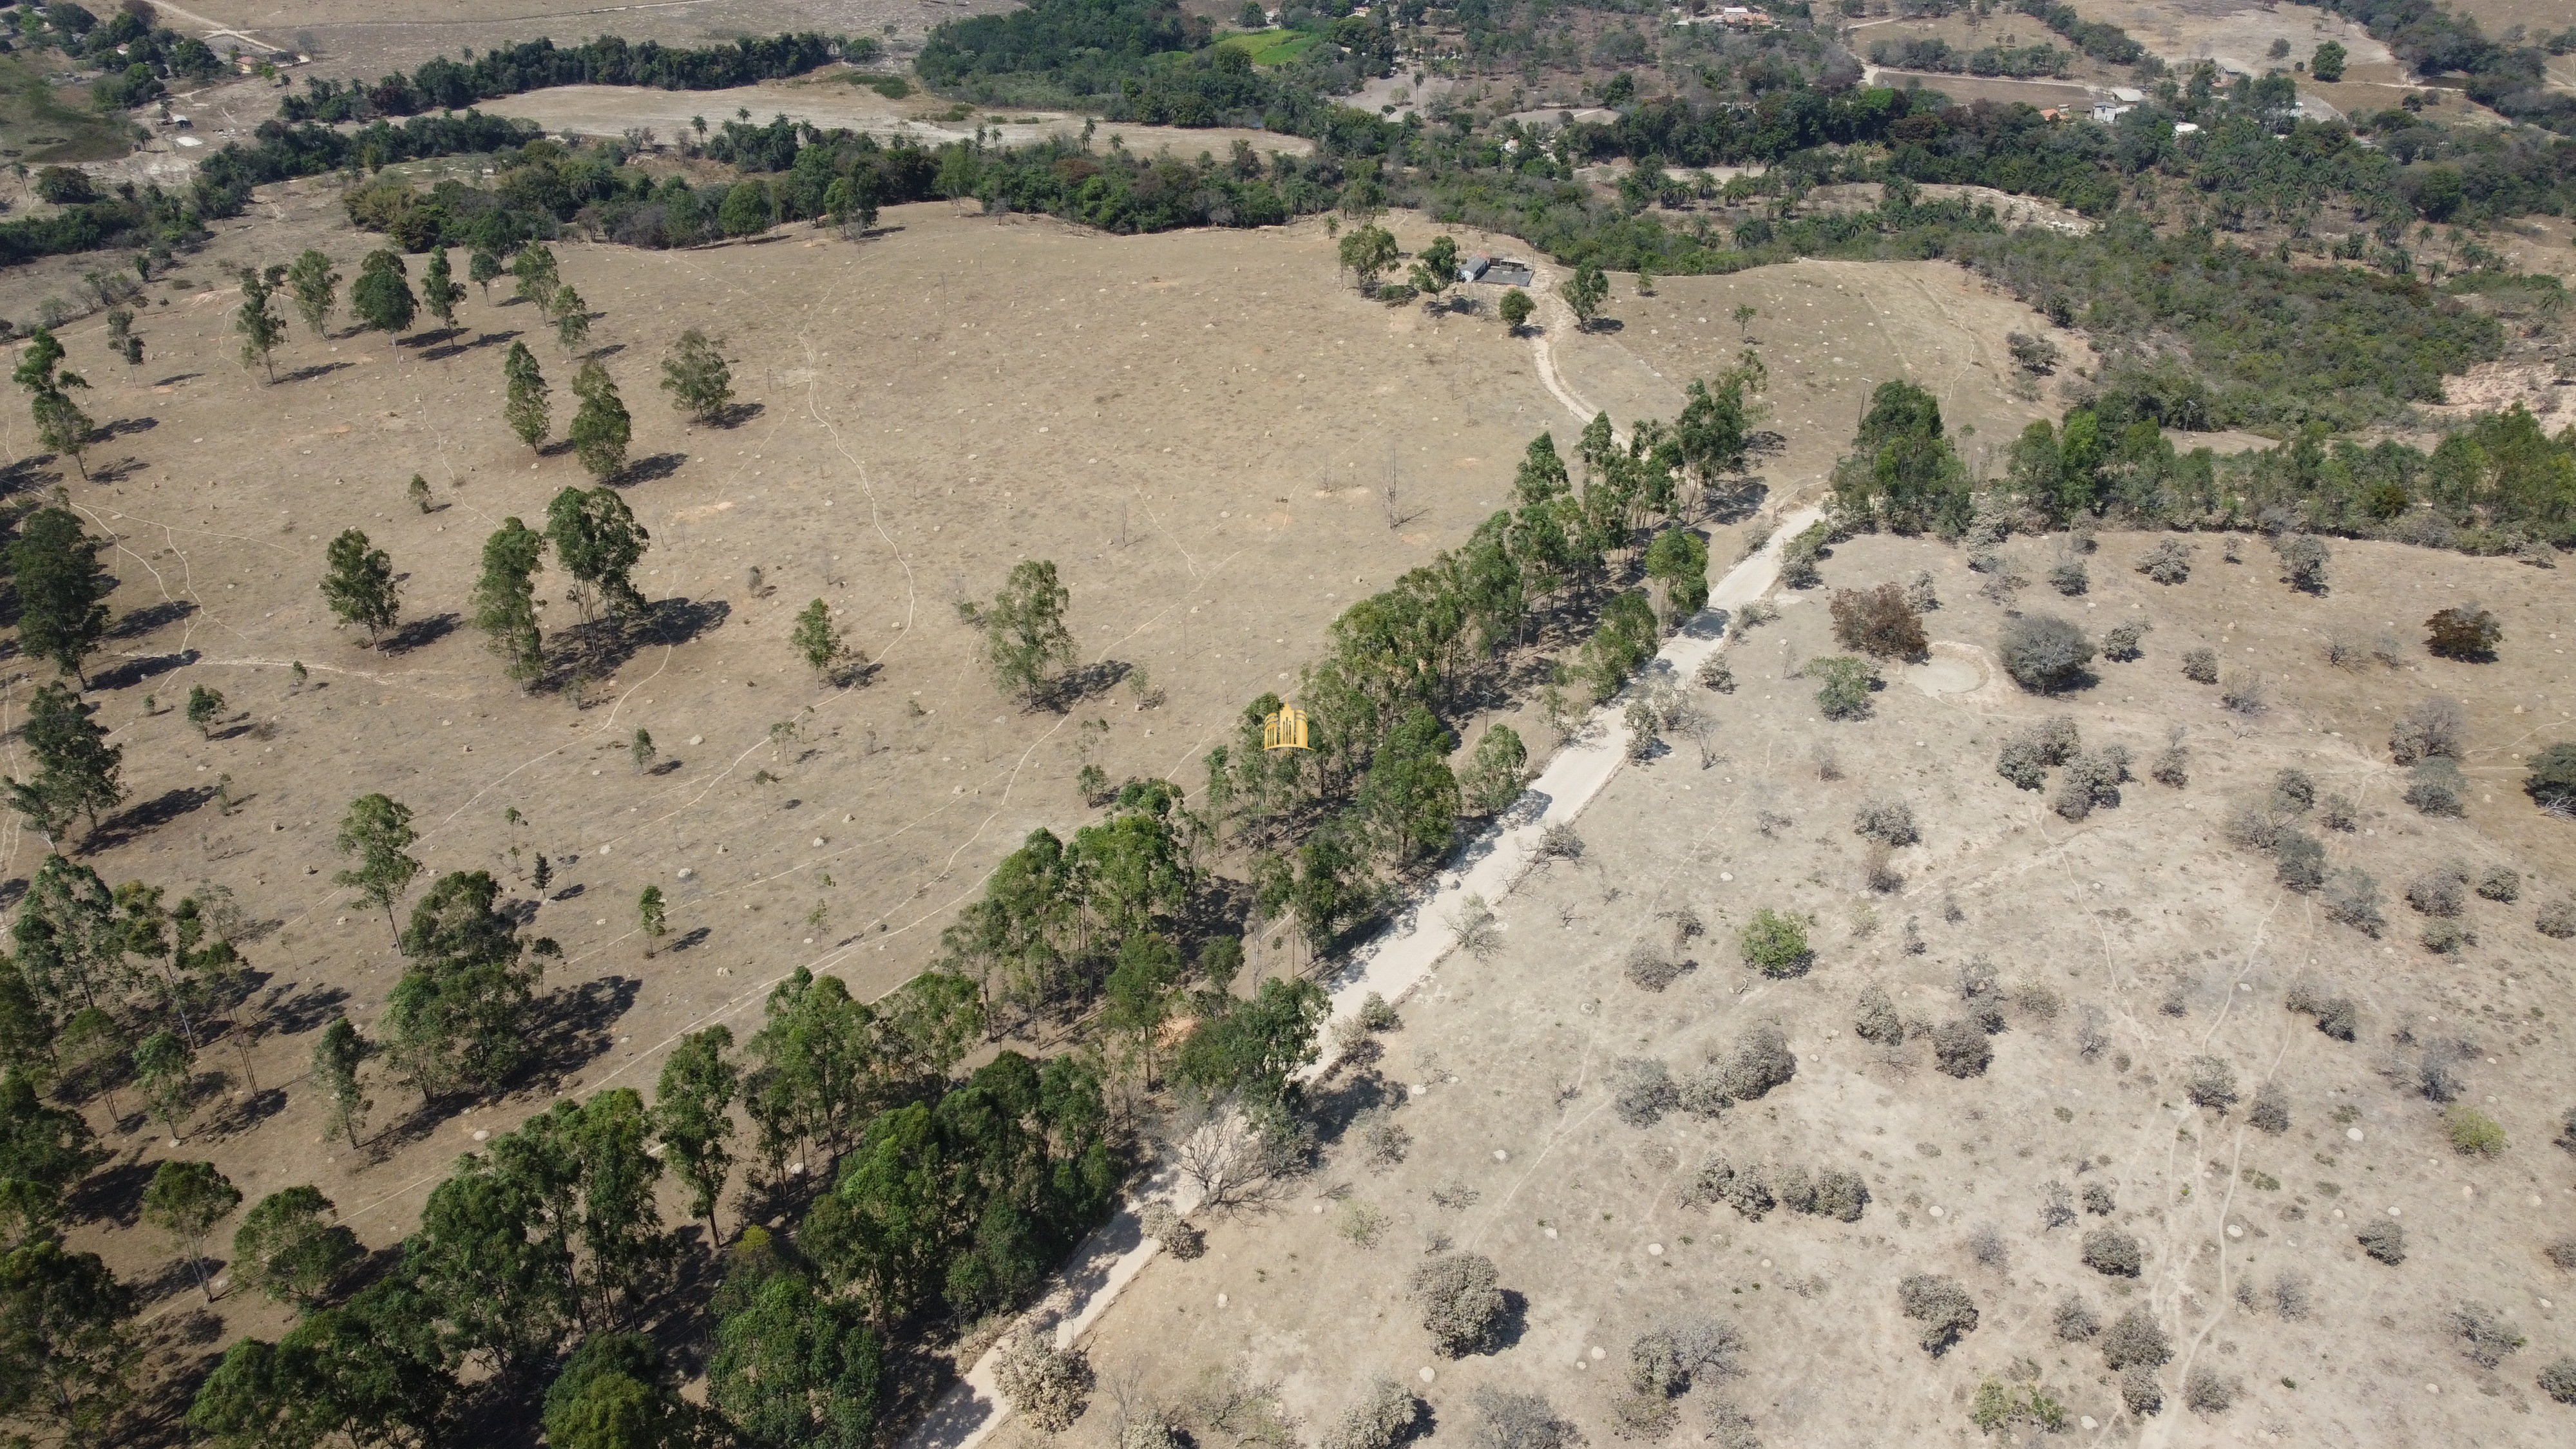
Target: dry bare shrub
x,y
1506,1420
2346,653
1643,1090
2484,1335
1943,1308
2242,692
2251,827
1961,1049
2271,1109
1761,1061
2562,1254
1884,818
2339,812
2073,1320
1043,1384
1164,1224
1717,674
1667,1360
2440,891
1920,596
2169,562
2558,1380
1652,967
2207,1391
2200,665
1877,1021
1878,872
1383,1140
1146,1431
2140,1394
2291,1297
1840,1195
2136,1339
2464,632
2069,577
2037,1001
2557,920
2500,883
2352,898
2098,1200
2113,1253
1559,842
1385,1416
1987,1247
2383,1240
1729,1427
2299,861
1461,1306
2210,1082
2435,725
2124,642
2293,792
2056,1205
2173,763
1880,622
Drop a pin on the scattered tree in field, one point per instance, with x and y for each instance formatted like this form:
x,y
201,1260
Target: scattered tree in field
x,y
572,319
1368,251
336,1059
289,1248
692,1116
459,1018
642,748
1026,643
524,406
358,584
650,918
1461,1304
1435,270
483,268
382,299
77,770
534,270
2465,632
257,321
598,542
439,289
505,598
1745,312
818,642
65,1349
62,591
1515,309
1944,1309
316,288
745,210
377,832
2303,561
165,1070
850,204
60,424
1586,291
2327,64
2044,653
121,339
600,427
205,706
695,376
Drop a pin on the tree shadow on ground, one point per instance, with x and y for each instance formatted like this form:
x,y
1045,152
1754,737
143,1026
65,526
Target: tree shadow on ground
x,y
26,475
132,672
448,347
118,471
319,369
649,470
243,1112
1085,681
151,815
140,622
127,427
419,633
695,936
601,647
573,1030
308,1009
114,1195
735,414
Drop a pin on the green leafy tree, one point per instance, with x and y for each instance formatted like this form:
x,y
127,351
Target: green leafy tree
x,y
695,376
795,1368
1516,308
1367,252
692,1114
524,407
1026,643
600,426
1258,1047
1678,560
459,1018
316,288
1137,998
745,210
439,289
1409,796
598,542
1586,291
377,833
165,1070
62,591
70,943
1435,270
505,598
572,319
336,1059
358,583
186,1200
534,272
593,1183
2327,64
371,1373
817,641
615,1393
650,918
61,426
65,1349
642,748
850,203
815,1082
1902,471
257,320
205,706
496,1270
483,268
1498,771
77,770
381,298
1775,944
289,1248
44,1153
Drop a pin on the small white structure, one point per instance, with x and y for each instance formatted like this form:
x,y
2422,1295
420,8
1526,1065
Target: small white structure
x,y
2105,112
1473,265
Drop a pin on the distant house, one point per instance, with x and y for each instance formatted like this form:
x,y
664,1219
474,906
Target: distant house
x,y
1744,17
1473,265
2052,113
2105,112
2186,128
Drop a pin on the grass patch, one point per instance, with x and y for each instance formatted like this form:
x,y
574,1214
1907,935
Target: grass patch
x,y
40,125
1272,47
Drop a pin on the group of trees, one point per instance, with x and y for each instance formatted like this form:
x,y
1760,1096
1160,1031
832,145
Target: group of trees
x,y
596,542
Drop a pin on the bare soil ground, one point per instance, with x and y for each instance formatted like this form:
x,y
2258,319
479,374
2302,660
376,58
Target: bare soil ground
x,y
2141,919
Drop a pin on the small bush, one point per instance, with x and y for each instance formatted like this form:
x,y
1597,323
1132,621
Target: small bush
x,y
2173,763
1715,673
2441,891
1560,842
2092,782
1890,820
1761,1060
2561,1254
2206,1391
2098,1200
1166,1226
2557,920
2500,883
1840,1195
1642,1091
2200,666
2293,792
1385,1416
2140,1394
2299,860
2485,1338
2074,1320
2112,1252
1880,622
1383,1141
1046,1385
2044,653
2242,692
1961,1049
2352,898
2123,643
1877,1021
2271,1109
2339,812
1943,1308
2169,562
2447,938
2135,1339
1776,944
2019,762
2434,725
2467,633
2068,577
2251,827
2210,1082
2303,561
1847,685
2551,783
1920,595
2473,1133
2435,786
1461,1306
1987,1247
1652,967
2290,1296
2383,1240
2558,1380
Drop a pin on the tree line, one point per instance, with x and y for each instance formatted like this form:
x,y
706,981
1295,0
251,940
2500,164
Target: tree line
x,y
608,60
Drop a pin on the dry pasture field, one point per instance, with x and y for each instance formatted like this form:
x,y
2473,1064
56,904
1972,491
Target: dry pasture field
x,y
2141,923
